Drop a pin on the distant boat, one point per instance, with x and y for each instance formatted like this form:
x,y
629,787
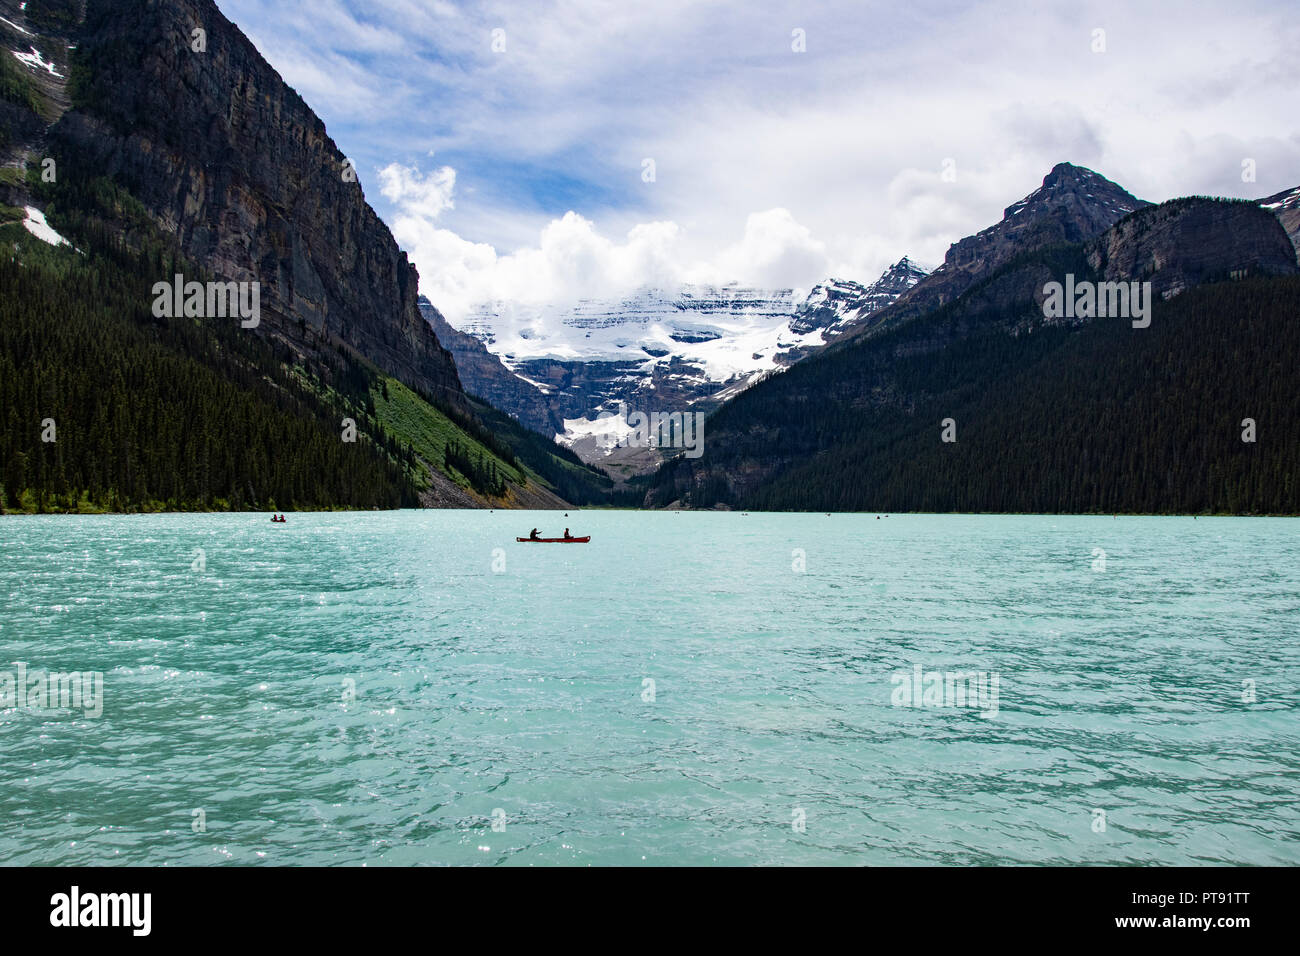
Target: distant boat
x,y
582,540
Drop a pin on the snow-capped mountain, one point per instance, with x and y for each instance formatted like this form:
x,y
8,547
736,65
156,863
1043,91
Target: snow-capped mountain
x,y
836,304
657,349
724,331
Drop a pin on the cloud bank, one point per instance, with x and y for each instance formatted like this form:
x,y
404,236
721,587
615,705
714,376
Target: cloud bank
x,y
509,141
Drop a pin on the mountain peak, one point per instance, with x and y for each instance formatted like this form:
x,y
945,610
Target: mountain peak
x,y
906,266
1070,184
231,163
1073,204
838,303
1068,171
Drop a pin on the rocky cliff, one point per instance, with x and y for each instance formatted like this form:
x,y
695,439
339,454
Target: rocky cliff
x,y
1185,242
1072,205
484,375
228,158
1286,206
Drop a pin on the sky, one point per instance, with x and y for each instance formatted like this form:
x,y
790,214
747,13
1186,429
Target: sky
x,y
550,151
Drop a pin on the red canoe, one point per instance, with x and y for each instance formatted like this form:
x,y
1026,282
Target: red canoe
x,y
582,540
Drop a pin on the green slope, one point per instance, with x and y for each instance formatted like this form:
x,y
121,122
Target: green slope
x,y
465,454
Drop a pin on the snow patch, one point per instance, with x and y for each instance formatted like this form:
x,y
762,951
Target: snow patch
x,y
35,224
718,329
607,431
1288,201
36,61
16,26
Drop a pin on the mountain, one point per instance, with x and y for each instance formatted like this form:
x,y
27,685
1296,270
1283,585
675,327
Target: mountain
x,y
141,139
227,158
1072,205
665,346
483,374
836,306
1286,206
1185,242
701,347
1100,419
558,368
1040,404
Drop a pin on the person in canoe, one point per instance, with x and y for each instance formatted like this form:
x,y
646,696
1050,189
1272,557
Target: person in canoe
x,y
534,534
567,536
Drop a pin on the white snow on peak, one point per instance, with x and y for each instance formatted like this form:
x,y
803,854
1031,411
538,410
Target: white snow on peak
x,y
720,329
1288,201
37,62
35,224
718,340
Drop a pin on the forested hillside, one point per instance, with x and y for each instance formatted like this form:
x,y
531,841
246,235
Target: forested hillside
x,y
1093,418
154,413
339,396
146,413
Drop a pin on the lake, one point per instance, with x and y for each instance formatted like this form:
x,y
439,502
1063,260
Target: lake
x,y
689,688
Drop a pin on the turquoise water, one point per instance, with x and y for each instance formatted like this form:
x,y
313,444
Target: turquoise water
x,y
523,690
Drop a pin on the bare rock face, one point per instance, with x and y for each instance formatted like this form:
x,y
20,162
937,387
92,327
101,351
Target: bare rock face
x,y
1286,206
485,375
230,160
1074,204
836,304
1185,242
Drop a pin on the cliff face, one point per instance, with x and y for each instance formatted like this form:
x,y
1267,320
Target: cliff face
x,y
1286,206
1072,205
1184,242
229,159
484,375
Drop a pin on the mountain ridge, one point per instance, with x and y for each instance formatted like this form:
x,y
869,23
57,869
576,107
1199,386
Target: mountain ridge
x,y
1072,204
653,349
165,146
787,422
187,131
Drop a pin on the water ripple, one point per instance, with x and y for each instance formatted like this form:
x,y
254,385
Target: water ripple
x,y
351,689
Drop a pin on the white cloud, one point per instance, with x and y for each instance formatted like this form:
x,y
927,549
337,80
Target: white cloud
x,y
770,164
776,250
572,260
423,197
